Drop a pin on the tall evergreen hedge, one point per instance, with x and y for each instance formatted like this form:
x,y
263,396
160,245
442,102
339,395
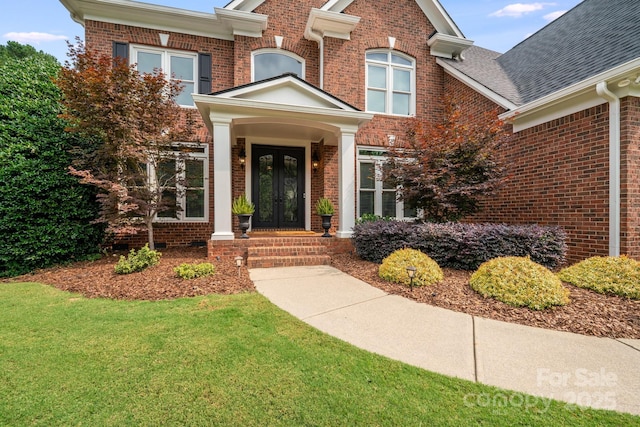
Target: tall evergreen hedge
x,y
45,214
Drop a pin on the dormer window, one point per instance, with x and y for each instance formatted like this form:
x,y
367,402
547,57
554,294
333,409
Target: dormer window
x,y
272,63
390,83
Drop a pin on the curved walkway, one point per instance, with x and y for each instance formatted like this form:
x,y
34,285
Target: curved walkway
x,y
590,371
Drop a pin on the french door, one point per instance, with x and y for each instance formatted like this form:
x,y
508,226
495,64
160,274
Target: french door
x,y
278,186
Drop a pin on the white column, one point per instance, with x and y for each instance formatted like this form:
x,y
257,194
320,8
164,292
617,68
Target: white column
x,y
346,182
222,195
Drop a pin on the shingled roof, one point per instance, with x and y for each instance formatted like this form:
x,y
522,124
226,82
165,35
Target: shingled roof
x,y
591,38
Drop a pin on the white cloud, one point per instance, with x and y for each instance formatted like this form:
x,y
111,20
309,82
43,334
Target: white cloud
x,y
554,15
517,10
33,37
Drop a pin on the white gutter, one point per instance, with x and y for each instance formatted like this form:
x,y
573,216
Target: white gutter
x,y
614,166
316,37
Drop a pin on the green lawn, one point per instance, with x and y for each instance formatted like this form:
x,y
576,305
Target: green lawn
x,y
222,360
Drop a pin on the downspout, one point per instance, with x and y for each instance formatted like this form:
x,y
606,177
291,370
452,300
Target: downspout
x,y
614,166
320,40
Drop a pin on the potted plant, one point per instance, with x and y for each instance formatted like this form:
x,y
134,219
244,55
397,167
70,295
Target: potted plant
x,y
243,208
325,209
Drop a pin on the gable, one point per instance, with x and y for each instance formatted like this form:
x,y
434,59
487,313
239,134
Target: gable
x,y
288,90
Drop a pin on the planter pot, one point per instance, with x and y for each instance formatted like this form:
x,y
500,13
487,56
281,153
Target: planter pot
x,y
244,224
326,224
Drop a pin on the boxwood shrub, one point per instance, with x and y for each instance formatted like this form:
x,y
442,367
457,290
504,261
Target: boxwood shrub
x,y
461,246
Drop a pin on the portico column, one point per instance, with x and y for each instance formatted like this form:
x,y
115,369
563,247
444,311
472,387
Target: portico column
x,y
222,195
346,182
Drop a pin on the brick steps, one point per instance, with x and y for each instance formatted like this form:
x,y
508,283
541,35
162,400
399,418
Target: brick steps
x,y
301,254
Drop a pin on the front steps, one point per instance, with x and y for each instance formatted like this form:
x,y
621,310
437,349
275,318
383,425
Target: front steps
x,y
266,252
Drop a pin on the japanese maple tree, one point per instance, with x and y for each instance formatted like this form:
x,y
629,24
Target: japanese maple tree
x,y
131,120
443,169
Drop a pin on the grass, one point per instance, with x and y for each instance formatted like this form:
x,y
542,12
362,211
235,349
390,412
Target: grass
x,y
221,360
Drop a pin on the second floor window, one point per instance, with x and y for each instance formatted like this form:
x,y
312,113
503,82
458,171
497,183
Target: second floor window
x,y
390,83
175,64
268,63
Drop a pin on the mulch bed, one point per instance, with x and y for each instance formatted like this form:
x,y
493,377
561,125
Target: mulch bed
x,y
588,313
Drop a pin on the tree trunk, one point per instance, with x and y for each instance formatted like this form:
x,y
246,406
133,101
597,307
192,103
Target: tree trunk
x,y
152,244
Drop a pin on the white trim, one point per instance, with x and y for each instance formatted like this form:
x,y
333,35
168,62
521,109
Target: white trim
x,y
180,157
223,24
165,61
568,93
280,142
277,51
614,166
446,46
389,66
483,90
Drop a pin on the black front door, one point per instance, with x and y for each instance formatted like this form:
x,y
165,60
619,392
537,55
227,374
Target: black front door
x,y
278,187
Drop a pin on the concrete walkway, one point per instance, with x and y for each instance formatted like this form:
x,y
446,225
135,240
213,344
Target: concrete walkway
x,y
590,371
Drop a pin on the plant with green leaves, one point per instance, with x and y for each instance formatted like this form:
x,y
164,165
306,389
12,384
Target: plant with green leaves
x,y
46,216
324,206
394,268
519,282
242,206
194,271
605,275
137,260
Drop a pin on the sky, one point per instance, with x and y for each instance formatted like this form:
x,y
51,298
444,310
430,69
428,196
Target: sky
x,y
493,24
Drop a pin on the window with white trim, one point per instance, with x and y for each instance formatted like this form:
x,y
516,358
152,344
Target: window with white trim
x,y
177,65
390,83
267,63
186,191
375,196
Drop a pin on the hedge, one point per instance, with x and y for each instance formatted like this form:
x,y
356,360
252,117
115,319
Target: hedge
x,y
461,246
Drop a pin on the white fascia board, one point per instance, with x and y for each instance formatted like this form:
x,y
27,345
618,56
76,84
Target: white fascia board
x,y
241,108
138,14
446,46
481,89
336,5
243,23
244,5
331,24
439,17
574,98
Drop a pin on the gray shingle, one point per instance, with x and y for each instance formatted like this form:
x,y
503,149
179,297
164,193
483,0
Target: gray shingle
x,y
591,38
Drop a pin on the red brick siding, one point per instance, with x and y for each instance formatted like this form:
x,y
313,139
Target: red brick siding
x,y
630,177
558,176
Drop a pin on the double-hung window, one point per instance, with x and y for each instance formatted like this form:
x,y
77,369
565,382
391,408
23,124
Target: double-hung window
x,y
375,195
390,83
184,177
176,65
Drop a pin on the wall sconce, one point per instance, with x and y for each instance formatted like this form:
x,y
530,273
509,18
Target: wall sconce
x,y
315,161
242,157
411,272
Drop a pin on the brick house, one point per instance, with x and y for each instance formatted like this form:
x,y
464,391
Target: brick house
x,y
298,100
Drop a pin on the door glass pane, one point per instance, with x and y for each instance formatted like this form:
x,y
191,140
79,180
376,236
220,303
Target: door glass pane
x,y
377,77
265,181
195,203
366,202
389,203
401,81
290,190
147,62
401,103
367,176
